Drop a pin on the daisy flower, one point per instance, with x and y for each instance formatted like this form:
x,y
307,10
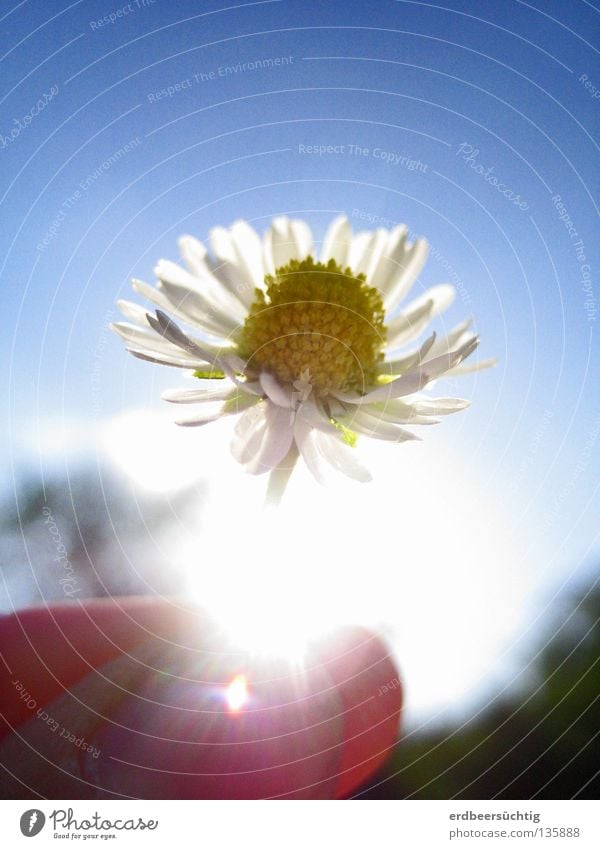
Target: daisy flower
x,y
307,353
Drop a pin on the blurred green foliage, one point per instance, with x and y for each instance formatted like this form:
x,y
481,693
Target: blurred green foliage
x,y
113,533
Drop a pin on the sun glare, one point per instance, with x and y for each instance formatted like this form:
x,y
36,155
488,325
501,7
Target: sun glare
x,y
151,450
422,556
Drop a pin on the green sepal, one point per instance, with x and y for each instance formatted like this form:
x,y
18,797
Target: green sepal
x,y
348,436
209,374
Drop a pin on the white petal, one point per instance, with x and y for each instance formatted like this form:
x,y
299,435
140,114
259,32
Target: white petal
x,y
415,419
148,345
151,293
417,315
409,360
455,337
358,252
316,418
283,396
222,245
318,449
248,248
409,324
200,396
472,367
443,363
263,437
441,296
279,478
208,412
279,244
144,338
166,360
183,306
199,307
447,345
167,270
240,254
225,268
230,361
377,427
134,312
405,385
167,329
248,432
235,369
440,406
376,251
224,291
195,255
391,258
305,440
399,412
302,236
196,310
276,442
202,417
341,456
409,268
337,240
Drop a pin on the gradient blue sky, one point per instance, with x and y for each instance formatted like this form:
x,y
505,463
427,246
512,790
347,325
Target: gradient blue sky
x,y
409,79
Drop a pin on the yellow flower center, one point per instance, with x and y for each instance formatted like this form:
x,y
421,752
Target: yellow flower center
x,y
316,319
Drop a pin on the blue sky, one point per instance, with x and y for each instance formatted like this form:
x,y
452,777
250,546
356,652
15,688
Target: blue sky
x,y
151,127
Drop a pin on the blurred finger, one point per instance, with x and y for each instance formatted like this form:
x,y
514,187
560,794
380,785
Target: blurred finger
x,y
367,681
47,649
158,722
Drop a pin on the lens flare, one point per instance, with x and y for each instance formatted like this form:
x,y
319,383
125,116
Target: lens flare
x,y
236,694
